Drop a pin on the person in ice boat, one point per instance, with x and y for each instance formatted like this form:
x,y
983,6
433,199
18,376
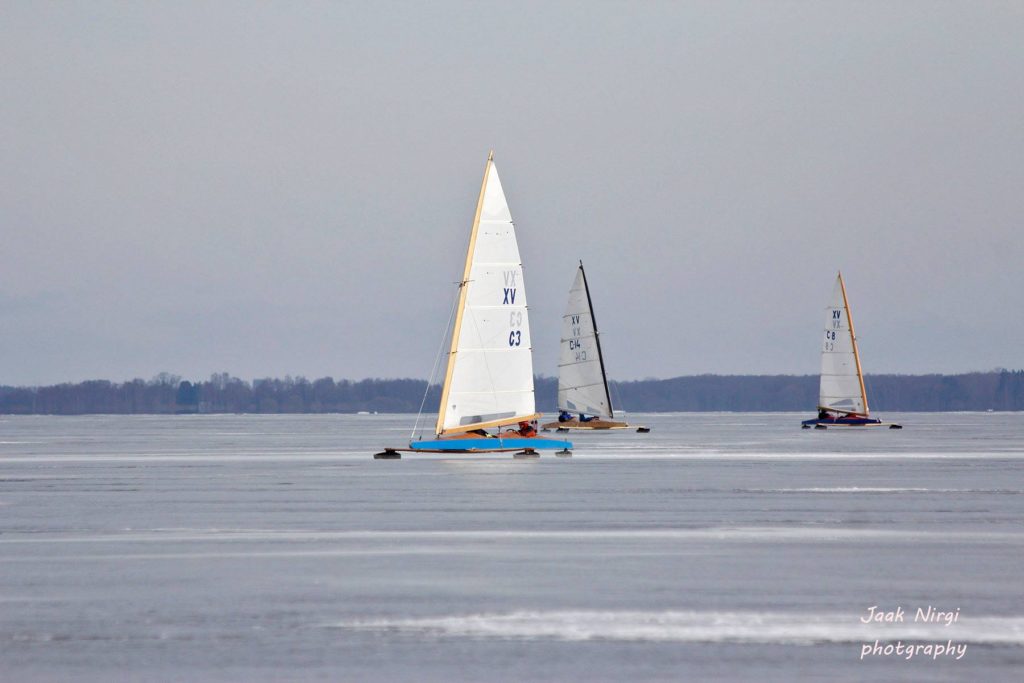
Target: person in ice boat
x,y
526,429
826,417
564,416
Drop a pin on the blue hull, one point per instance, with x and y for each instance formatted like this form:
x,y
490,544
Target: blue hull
x,y
842,421
490,444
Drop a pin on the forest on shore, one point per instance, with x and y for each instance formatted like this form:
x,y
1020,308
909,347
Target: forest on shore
x,y
223,393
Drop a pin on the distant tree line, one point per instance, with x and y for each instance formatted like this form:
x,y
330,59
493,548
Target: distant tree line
x,y
999,390
222,393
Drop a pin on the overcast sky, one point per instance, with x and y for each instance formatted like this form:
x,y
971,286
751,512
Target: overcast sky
x,y
286,188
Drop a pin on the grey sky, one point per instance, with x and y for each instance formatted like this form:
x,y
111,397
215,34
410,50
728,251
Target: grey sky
x,y
267,188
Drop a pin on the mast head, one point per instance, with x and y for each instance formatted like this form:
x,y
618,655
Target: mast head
x,y
490,155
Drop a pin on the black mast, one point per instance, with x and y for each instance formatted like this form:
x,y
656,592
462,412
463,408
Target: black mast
x,y
597,339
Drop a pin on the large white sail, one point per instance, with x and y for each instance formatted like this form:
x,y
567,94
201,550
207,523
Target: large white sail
x,y
582,386
842,385
489,380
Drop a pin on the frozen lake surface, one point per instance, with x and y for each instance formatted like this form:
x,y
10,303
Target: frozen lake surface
x,y
717,547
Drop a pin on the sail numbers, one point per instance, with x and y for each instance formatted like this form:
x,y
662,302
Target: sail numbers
x,y
574,321
830,339
510,287
515,320
575,343
830,335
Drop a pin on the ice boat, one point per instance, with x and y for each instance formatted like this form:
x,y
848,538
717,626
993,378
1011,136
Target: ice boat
x,y
487,399
584,401
842,399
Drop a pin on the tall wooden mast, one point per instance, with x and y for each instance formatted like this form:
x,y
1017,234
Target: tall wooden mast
x,y
853,338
